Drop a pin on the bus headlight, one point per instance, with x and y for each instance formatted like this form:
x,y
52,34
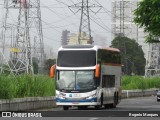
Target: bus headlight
x,y
61,96
92,96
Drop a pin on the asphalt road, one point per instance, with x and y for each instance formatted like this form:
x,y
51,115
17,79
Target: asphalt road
x,y
128,109
138,104
141,108
131,104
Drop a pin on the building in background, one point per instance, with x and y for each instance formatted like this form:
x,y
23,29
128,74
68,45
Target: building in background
x,y
72,38
122,22
65,37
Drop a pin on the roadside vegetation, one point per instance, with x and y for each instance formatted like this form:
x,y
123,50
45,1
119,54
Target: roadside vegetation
x,y
26,86
39,86
139,82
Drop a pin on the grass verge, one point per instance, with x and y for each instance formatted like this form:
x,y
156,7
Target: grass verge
x,y
26,86
139,82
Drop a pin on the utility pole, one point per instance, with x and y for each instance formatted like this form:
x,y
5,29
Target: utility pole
x,y
28,17
84,27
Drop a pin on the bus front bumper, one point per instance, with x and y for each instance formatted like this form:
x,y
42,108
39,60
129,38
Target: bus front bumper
x,y
86,102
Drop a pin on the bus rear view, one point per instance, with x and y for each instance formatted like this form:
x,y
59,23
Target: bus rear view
x,y
78,77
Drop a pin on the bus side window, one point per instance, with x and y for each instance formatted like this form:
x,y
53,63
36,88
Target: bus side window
x,y
108,81
97,82
103,81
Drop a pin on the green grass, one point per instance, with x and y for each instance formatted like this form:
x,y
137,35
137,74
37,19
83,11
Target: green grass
x,y
39,85
139,82
26,86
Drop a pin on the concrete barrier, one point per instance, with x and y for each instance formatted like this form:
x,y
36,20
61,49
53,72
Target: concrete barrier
x,y
138,93
32,103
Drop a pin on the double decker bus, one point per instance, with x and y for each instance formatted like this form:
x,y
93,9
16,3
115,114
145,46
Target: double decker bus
x,y
87,75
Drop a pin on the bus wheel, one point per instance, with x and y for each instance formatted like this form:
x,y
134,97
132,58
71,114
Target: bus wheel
x,y
106,106
97,107
65,107
82,107
101,100
115,101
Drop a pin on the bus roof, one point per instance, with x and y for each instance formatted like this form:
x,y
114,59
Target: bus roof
x,y
78,46
111,49
95,47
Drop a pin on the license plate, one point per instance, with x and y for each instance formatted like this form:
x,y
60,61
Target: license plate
x,y
76,95
75,103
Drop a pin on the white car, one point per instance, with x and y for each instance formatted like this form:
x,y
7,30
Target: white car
x,y
158,96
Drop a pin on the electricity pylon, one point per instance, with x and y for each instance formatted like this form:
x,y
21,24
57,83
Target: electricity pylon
x,y
153,61
18,57
84,27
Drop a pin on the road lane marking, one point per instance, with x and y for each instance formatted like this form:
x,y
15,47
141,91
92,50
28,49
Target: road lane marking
x,y
93,118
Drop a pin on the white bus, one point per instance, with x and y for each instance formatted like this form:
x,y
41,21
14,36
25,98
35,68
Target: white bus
x,y
87,75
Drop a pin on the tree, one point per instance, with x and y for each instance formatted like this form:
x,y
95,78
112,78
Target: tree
x,y
147,15
35,65
49,63
132,55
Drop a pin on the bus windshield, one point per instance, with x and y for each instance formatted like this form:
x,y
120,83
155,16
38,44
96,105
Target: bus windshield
x,y
76,58
75,80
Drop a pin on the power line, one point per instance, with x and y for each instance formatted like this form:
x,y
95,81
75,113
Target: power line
x,y
101,26
60,15
102,23
62,2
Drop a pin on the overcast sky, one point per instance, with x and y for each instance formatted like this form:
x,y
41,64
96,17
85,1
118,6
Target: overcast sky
x,y
56,17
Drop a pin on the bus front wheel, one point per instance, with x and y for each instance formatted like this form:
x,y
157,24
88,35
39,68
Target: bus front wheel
x,y
115,100
97,107
82,107
65,107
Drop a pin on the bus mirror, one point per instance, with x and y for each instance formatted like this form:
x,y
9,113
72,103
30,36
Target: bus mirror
x,y
52,71
97,72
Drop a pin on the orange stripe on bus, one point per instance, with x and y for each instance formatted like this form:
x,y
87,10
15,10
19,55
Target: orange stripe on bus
x,y
112,64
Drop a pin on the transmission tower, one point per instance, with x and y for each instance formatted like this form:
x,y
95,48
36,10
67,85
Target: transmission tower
x,y
153,62
18,57
84,27
123,18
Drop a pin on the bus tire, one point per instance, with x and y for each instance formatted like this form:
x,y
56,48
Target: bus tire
x,y
101,100
65,107
82,107
97,107
115,100
106,106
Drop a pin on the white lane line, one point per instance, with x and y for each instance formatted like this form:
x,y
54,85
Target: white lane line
x,y
93,118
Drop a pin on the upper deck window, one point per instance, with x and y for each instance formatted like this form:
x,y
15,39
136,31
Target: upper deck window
x,y
76,58
107,56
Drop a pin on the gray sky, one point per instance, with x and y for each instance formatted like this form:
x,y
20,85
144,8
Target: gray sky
x,y
56,17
